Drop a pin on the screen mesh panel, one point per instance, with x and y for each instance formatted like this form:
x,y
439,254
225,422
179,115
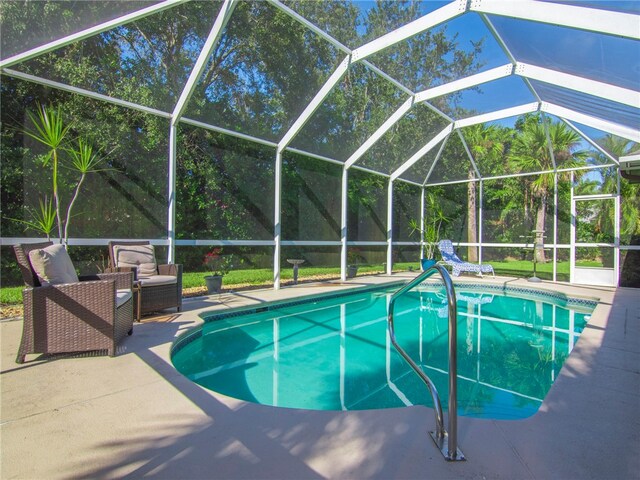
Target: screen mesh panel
x,y
146,62
264,71
125,196
310,199
353,111
28,24
403,139
448,52
586,54
406,208
367,209
225,187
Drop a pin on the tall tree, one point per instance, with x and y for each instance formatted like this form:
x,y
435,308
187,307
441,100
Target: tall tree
x,y
485,144
630,193
531,151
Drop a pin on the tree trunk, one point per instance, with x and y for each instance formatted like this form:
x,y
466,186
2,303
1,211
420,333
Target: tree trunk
x,y
540,224
472,220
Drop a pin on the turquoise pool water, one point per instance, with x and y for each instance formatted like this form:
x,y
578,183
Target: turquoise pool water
x,y
335,354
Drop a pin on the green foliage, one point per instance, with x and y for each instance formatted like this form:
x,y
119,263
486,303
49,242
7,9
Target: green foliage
x,y
433,223
354,256
43,219
11,295
263,71
50,130
216,263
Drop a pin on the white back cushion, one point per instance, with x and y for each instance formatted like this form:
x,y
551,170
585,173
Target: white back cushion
x,y
53,265
140,257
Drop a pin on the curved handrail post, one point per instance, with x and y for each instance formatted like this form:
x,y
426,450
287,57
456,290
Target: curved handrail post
x,y
446,442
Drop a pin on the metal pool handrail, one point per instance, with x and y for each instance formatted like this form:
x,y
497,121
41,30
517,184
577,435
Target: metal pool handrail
x,y
446,442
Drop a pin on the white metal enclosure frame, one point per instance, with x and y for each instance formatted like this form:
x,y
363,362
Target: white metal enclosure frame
x,y
606,22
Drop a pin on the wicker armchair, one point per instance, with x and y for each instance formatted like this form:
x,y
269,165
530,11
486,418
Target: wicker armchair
x,y
92,314
154,291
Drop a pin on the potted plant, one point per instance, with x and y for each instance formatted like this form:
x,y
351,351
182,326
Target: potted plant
x,y
353,257
218,266
431,232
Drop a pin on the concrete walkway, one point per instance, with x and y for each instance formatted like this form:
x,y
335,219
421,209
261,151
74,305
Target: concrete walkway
x,y
134,416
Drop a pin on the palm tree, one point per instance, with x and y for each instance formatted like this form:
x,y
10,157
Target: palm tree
x,y
485,144
530,152
630,194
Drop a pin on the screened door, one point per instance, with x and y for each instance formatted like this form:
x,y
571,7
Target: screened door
x,y
594,256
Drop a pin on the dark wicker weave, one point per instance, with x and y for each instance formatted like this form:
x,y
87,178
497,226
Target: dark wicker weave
x,y
72,317
153,298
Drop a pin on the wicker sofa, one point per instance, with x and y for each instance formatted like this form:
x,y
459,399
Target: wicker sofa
x,y
157,286
94,313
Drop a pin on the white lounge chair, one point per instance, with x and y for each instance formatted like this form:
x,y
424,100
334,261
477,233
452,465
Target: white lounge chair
x,y
449,257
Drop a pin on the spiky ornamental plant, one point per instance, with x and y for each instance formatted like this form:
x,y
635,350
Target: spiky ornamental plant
x,y
49,129
83,160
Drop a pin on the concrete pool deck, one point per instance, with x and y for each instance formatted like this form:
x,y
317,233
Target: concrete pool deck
x,y
135,416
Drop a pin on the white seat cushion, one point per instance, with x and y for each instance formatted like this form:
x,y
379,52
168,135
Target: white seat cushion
x,y
53,265
122,296
157,280
140,257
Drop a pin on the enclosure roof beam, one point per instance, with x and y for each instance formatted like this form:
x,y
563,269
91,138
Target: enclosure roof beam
x,y
85,93
466,148
435,161
507,51
497,115
225,131
422,152
382,129
590,140
331,82
580,84
590,121
466,82
340,46
317,30
88,32
422,97
430,20
521,174
196,72
596,20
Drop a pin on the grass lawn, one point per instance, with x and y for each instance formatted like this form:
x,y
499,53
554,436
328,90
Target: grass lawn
x,y
264,277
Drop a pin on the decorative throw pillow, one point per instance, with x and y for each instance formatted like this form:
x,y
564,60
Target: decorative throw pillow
x,y
53,265
140,257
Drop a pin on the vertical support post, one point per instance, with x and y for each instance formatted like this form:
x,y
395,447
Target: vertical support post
x,y
277,218
390,227
480,223
616,239
343,223
572,237
555,225
171,195
422,223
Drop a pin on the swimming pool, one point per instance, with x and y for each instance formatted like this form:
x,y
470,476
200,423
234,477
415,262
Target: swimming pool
x,y
334,353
